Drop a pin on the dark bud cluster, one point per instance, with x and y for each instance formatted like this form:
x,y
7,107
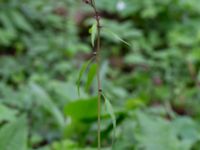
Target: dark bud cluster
x,y
87,1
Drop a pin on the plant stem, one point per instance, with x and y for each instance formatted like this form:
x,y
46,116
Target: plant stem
x,y
97,17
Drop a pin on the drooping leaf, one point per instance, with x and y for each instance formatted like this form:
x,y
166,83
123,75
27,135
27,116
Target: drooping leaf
x,y
93,32
90,76
117,37
13,136
83,69
111,112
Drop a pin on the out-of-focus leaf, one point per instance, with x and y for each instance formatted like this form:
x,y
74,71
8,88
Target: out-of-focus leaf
x,y
6,114
43,99
134,103
20,21
70,145
64,91
158,133
65,144
13,136
135,59
4,18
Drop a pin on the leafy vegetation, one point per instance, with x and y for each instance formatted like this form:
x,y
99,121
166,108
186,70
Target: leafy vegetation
x,y
150,73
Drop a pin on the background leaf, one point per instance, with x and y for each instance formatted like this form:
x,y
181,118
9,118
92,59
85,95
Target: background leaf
x,y
14,135
7,114
43,99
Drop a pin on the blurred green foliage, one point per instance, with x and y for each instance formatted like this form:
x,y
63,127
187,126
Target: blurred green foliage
x,y
153,82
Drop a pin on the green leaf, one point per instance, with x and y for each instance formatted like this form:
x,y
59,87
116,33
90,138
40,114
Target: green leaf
x,y
83,69
45,100
152,130
6,114
90,76
6,21
13,136
70,145
82,109
93,31
64,91
111,112
156,133
135,58
20,21
134,103
65,144
117,37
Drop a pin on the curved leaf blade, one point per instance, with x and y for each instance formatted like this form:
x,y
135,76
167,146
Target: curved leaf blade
x,y
83,69
93,32
117,37
90,76
111,112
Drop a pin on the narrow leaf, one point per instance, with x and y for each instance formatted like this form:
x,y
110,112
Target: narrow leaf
x,y
83,69
91,75
117,37
93,32
120,39
110,110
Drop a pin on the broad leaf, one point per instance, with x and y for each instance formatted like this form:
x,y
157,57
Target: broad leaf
x,y
7,114
82,109
158,133
13,136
